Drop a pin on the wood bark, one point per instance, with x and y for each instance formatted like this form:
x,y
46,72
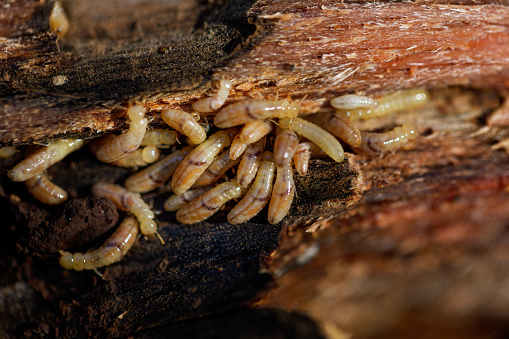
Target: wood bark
x,y
423,247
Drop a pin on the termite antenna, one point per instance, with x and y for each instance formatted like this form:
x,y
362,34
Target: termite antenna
x,y
160,238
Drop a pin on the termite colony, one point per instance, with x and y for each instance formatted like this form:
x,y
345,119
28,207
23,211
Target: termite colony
x,y
242,134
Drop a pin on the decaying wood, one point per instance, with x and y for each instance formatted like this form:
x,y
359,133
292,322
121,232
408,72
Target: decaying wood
x,y
309,50
425,244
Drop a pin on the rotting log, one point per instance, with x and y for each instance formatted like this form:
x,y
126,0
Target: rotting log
x,y
268,48
160,51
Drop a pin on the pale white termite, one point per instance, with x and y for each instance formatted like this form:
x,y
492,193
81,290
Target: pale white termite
x,y
255,130
113,250
128,142
214,102
246,111
317,135
44,158
387,104
221,164
176,201
250,163
210,202
197,161
159,138
7,152
185,124
258,194
139,158
350,101
339,126
303,154
131,202
237,148
285,146
42,189
58,21
374,143
157,174
282,194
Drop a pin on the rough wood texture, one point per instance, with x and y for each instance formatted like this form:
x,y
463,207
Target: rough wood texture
x,y
264,47
425,245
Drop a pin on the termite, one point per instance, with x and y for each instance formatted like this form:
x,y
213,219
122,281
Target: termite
x,y
338,125
317,135
185,124
237,148
246,111
210,202
157,174
159,138
258,194
131,202
58,21
255,130
250,163
303,154
44,158
350,101
129,141
113,250
387,104
42,189
176,201
7,152
197,161
216,170
214,102
282,194
139,158
285,146
374,143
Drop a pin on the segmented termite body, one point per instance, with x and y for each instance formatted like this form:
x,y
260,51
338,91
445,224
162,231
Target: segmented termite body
x,y
210,202
44,158
350,101
214,102
42,189
197,161
139,158
387,104
237,148
375,143
258,194
339,126
176,201
157,174
303,154
221,164
243,112
159,138
131,202
285,146
58,21
250,163
7,152
255,130
282,194
113,250
128,142
185,124
317,135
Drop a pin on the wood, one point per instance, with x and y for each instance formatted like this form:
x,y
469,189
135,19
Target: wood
x,y
417,250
